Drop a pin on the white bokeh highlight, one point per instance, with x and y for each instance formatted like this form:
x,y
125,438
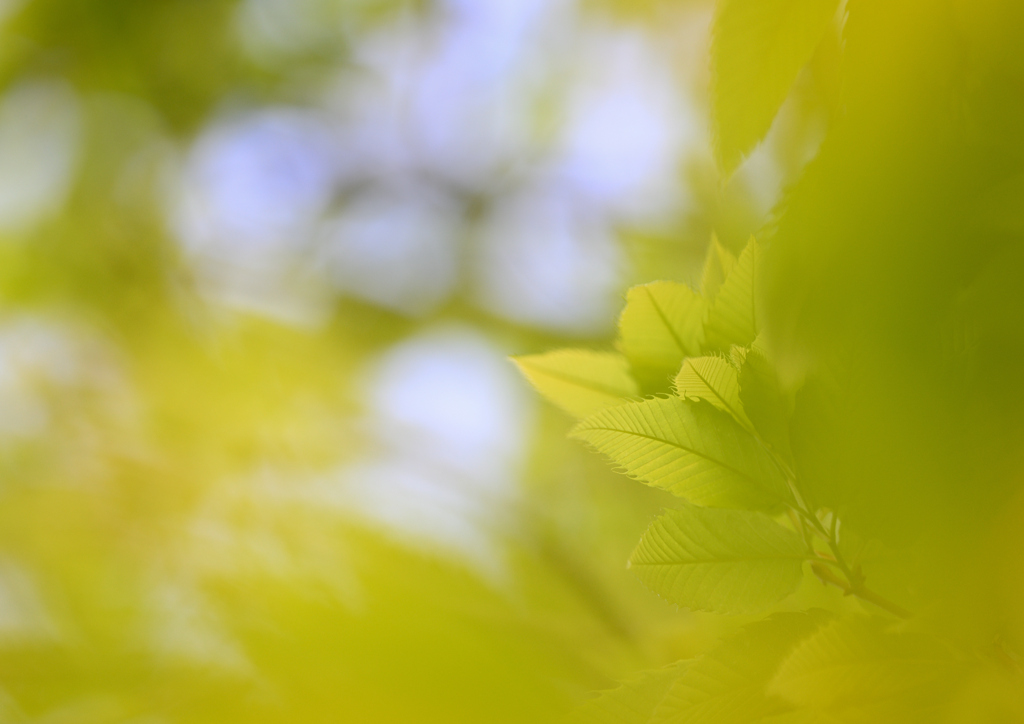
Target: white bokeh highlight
x,y
252,193
396,249
626,128
470,147
451,417
545,261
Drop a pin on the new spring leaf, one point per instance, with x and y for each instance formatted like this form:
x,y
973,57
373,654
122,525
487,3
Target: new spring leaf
x,y
734,318
690,449
662,323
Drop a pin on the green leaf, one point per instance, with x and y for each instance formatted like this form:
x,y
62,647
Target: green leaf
x,y
727,685
717,265
737,354
690,449
633,702
579,381
662,323
724,561
758,48
733,317
859,671
715,380
764,402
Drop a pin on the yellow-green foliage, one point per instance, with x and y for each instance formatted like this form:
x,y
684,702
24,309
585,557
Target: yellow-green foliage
x,y
759,47
580,381
826,410
865,348
700,444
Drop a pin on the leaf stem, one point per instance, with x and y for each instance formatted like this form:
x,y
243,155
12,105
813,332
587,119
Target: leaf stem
x,y
853,585
825,574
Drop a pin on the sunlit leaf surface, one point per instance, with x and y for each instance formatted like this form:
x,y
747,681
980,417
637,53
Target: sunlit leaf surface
x,y
662,323
689,448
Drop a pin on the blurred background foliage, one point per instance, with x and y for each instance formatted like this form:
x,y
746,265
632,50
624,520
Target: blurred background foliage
x,y
261,264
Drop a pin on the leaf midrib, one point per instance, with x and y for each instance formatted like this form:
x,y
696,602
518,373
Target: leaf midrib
x,y
721,464
579,382
714,391
664,320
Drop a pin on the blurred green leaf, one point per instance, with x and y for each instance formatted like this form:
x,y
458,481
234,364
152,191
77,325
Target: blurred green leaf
x,y
758,48
634,702
717,265
858,670
579,381
734,316
725,561
763,400
727,685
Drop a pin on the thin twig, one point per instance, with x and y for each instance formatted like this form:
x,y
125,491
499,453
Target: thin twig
x,y
853,585
825,575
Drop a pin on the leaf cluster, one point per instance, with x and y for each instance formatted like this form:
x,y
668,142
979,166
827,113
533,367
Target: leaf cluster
x,y
788,668
723,550
716,432
874,444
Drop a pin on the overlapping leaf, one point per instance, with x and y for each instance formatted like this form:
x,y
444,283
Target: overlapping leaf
x,y
690,449
714,380
733,317
726,561
758,48
727,685
857,669
634,702
661,323
717,265
763,400
580,381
